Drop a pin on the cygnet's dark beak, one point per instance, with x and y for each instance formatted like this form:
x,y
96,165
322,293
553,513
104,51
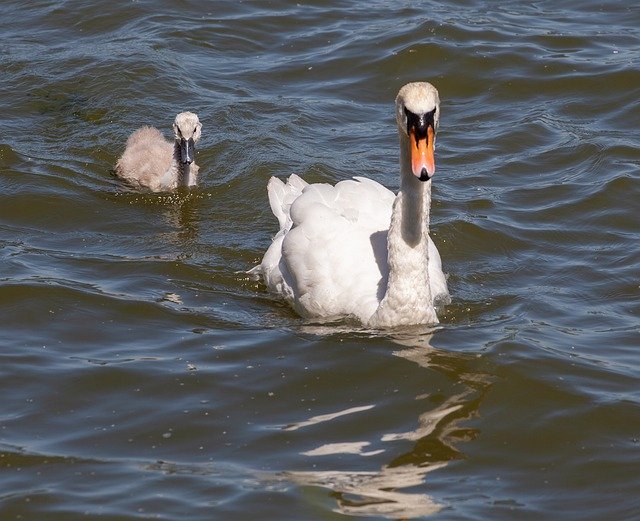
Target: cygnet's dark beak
x,y
187,150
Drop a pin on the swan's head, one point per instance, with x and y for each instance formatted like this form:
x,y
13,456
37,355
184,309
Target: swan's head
x,y
418,113
187,128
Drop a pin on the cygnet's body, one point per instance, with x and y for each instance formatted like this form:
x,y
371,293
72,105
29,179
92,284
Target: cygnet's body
x,y
150,161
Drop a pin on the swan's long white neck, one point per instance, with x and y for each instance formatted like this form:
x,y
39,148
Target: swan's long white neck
x,y
408,296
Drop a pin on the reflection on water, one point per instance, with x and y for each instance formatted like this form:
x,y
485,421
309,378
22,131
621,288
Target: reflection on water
x,y
183,216
326,417
375,493
179,213
435,438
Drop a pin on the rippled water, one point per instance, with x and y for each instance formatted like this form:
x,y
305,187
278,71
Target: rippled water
x,y
143,375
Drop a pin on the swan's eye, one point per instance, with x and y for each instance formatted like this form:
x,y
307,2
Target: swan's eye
x,y
408,116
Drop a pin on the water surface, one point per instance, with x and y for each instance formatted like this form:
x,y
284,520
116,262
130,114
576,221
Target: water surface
x,y
144,376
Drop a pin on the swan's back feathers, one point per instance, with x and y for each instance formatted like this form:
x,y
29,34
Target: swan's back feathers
x,y
328,258
359,200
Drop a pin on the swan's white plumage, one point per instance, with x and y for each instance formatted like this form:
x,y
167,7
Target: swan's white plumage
x,y
331,256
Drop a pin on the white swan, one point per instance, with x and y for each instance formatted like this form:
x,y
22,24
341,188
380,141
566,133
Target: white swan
x,y
356,249
150,161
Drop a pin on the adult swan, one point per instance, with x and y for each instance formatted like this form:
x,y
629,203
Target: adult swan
x,y
355,249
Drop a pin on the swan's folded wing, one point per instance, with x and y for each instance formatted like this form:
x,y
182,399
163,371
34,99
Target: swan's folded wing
x,y
437,278
331,253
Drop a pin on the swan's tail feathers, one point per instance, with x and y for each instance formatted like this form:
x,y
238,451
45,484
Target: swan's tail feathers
x,y
281,196
275,190
296,183
255,273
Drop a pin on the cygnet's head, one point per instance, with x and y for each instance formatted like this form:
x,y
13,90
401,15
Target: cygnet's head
x,y
187,128
418,114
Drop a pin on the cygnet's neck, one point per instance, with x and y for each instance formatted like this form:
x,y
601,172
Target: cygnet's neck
x,y
185,172
408,296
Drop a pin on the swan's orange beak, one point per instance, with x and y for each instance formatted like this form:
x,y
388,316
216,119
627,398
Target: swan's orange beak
x,y
423,162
